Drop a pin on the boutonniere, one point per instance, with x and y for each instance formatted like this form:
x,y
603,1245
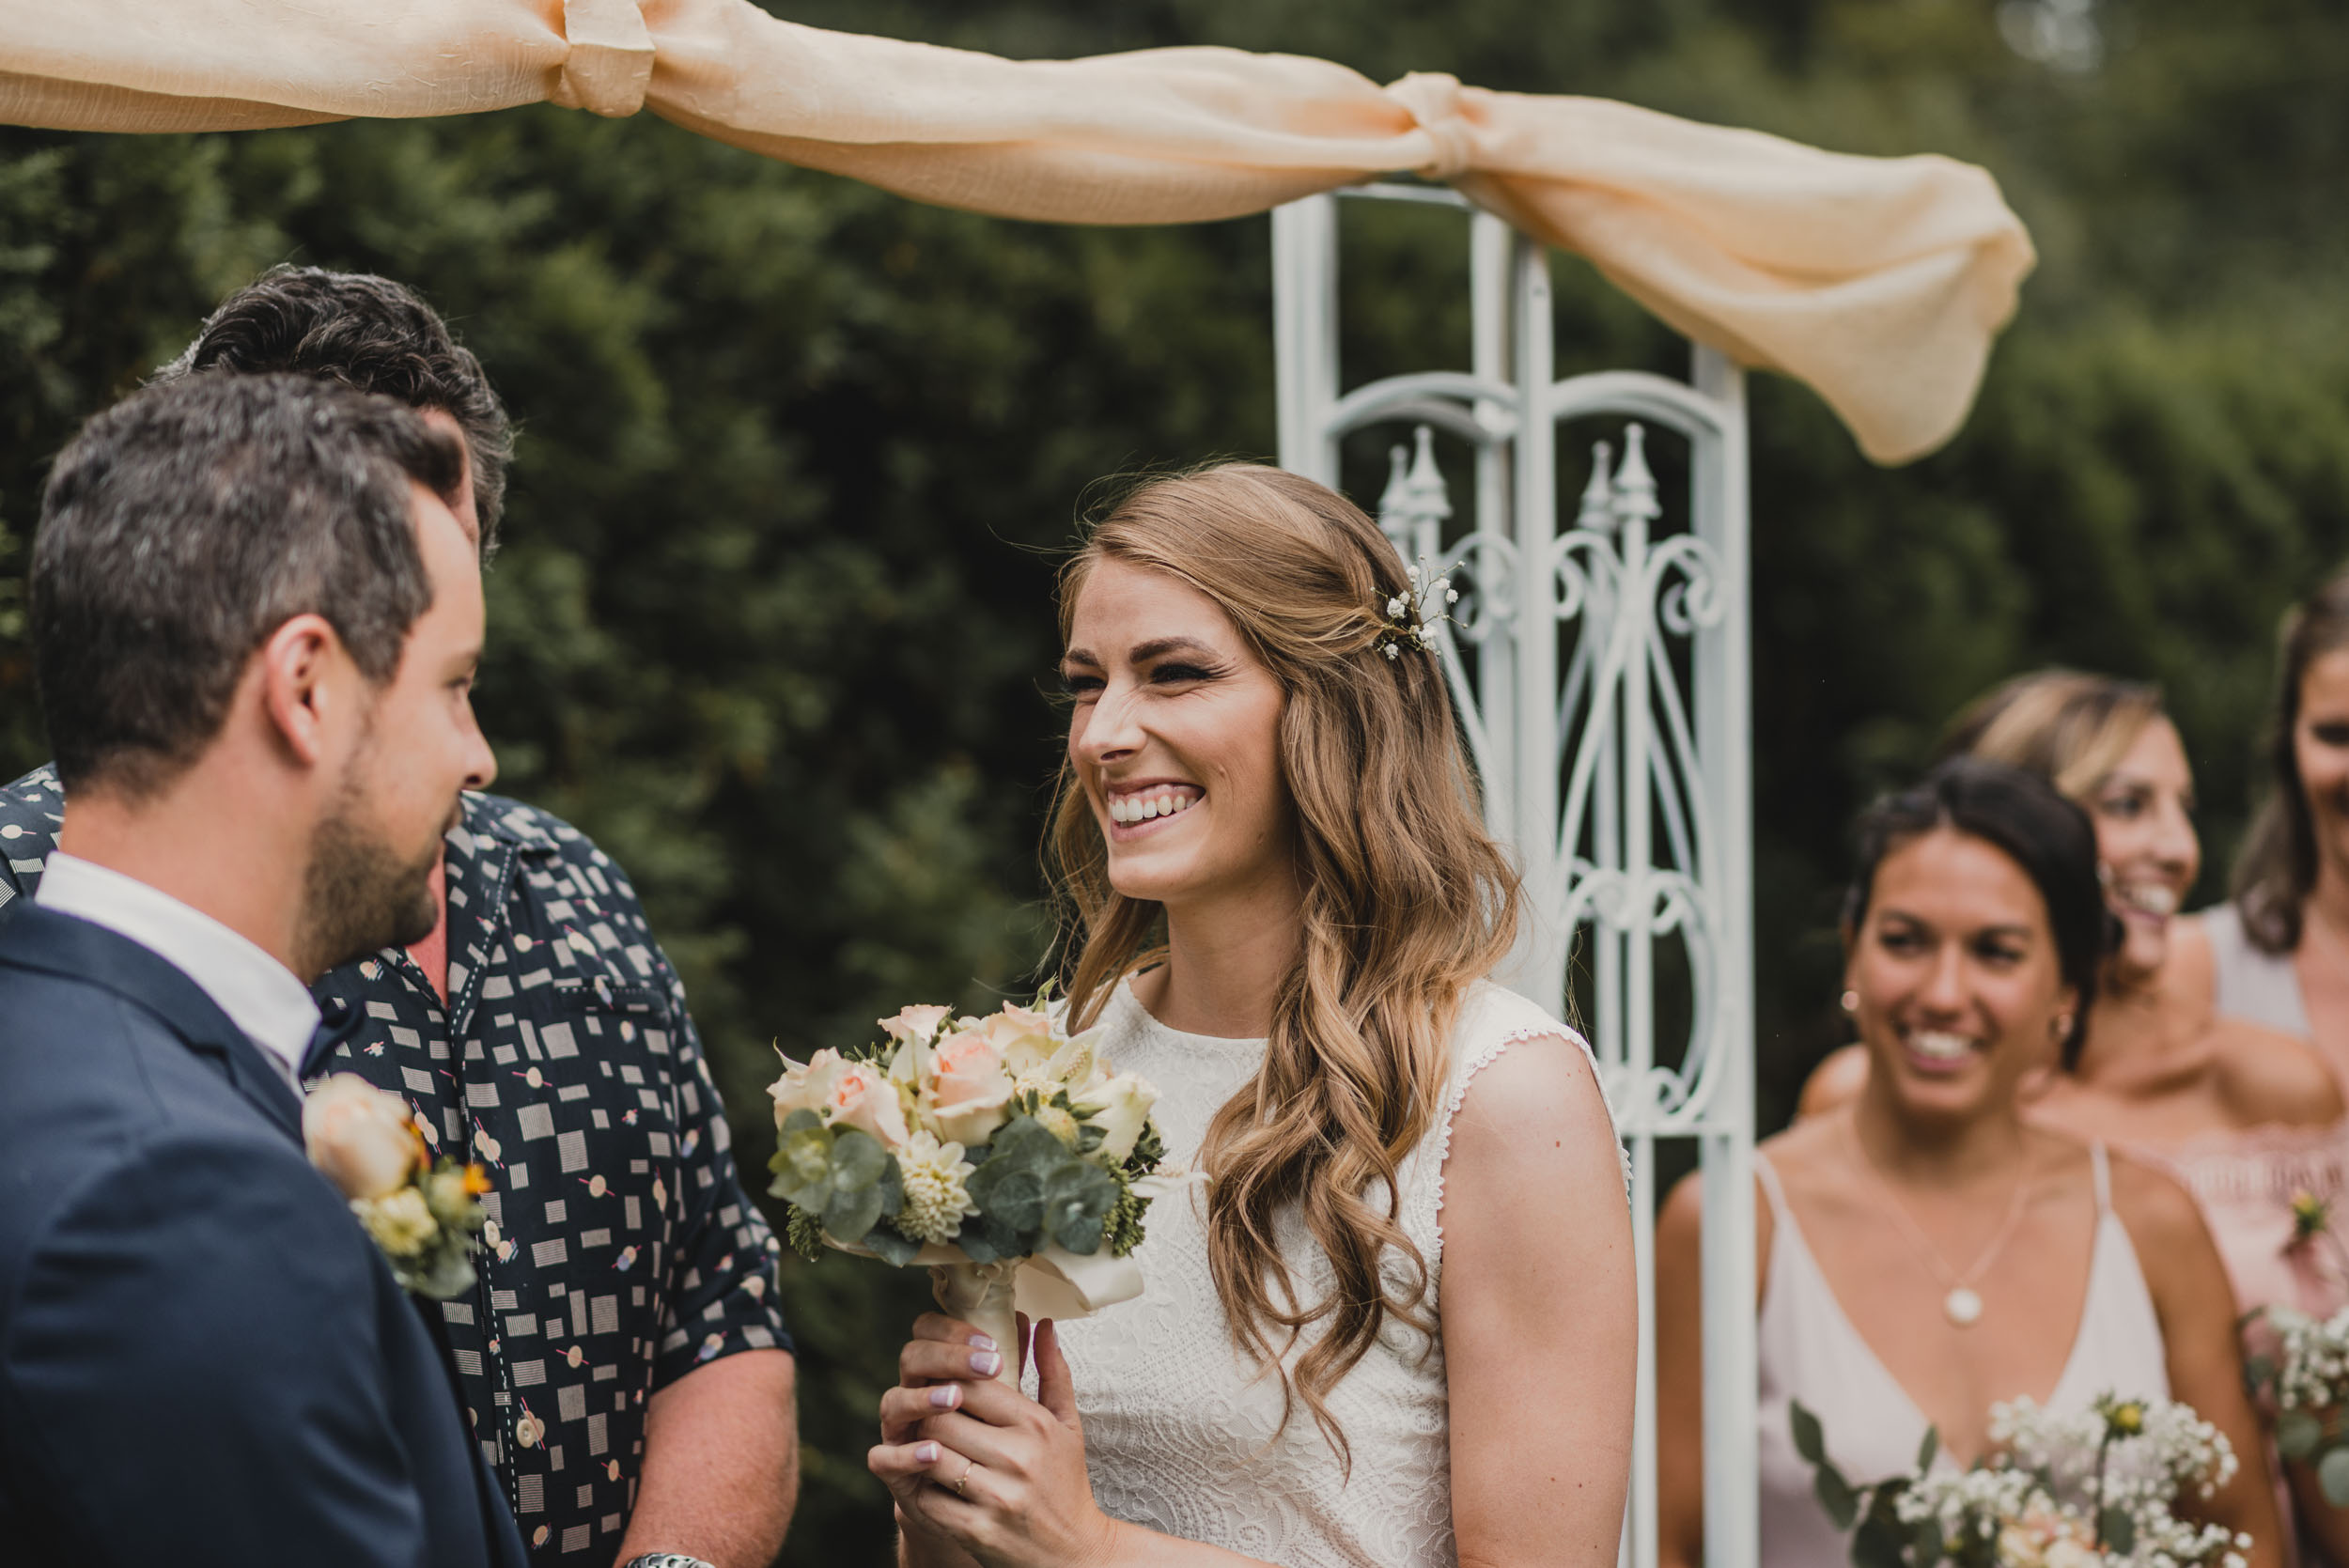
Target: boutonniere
x,y
424,1214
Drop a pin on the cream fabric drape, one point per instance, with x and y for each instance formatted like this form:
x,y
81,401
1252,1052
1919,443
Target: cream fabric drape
x,y
1880,282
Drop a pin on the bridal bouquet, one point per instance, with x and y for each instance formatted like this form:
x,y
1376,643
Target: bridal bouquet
x,y
1000,1152
2096,1489
2303,1374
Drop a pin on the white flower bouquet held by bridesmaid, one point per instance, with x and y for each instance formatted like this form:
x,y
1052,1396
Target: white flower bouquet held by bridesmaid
x,y
2300,1365
422,1213
2097,1489
1000,1153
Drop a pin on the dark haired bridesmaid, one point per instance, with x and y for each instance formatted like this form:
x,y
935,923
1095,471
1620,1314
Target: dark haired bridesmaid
x,y
1924,1252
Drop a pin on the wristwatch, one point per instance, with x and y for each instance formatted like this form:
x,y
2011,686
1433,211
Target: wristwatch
x,y
665,1560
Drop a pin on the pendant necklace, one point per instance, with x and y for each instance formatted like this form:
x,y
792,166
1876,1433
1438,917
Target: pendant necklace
x,y
1962,1304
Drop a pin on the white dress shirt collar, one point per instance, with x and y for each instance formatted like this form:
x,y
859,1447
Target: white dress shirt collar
x,y
259,994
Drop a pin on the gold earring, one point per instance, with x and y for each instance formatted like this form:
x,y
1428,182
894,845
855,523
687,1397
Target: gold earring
x,y
2062,1025
1851,1001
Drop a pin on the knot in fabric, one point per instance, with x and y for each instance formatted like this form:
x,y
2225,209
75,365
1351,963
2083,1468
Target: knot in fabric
x,y
1433,98
610,63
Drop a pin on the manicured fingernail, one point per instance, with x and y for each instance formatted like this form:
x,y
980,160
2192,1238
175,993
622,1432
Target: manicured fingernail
x,y
986,1362
946,1396
925,1453
981,1342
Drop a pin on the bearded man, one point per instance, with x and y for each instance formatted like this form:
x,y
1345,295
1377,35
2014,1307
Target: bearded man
x,y
254,621
621,1357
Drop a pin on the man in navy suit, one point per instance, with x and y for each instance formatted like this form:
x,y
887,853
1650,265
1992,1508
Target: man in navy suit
x,y
254,621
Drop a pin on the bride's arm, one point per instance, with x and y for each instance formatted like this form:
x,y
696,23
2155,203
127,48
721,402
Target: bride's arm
x,y
1540,1314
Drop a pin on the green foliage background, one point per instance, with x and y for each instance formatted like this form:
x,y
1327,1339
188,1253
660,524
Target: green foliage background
x,y
773,620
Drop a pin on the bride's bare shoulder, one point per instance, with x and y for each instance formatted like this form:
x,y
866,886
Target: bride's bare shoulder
x,y
1539,1089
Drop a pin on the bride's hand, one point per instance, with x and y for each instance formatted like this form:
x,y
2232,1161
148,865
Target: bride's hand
x,y
978,1463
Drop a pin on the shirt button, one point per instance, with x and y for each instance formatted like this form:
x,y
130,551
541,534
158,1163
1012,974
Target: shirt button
x,y
528,1430
522,942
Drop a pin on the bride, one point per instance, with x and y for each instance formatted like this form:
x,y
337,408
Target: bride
x,y
1396,1327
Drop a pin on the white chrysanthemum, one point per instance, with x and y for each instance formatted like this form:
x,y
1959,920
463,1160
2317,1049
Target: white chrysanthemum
x,y
401,1223
936,1201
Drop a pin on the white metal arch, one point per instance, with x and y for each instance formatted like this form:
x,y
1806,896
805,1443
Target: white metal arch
x,y
1608,710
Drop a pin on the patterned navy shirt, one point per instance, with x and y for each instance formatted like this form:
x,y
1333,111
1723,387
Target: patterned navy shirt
x,y
621,1253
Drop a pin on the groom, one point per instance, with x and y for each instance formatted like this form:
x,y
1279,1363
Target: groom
x,y
621,1357
254,621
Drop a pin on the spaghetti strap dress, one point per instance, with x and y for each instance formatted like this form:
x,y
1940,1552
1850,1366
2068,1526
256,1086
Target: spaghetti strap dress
x,y
1811,1352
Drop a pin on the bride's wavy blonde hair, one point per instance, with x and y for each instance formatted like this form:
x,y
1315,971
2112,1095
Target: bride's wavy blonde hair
x,y
1406,901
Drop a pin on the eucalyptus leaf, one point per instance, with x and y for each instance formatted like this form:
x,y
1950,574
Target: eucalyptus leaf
x,y
2258,1371
1001,1241
1928,1451
446,1273
1809,1440
858,1161
1836,1495
1077,1199
2117,1530
1024,1141
850,1214
2332,1474
2297,1433
1010,1193
802,1164
1925,1543
890,1247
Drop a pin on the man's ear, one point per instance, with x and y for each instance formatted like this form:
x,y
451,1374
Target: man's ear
x,y
298,693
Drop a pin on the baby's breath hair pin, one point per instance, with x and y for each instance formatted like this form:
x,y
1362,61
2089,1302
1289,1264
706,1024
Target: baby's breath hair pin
x,y
1412,616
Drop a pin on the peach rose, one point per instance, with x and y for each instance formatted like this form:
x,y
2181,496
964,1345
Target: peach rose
x,y
914,1023
1032,1056
966,1088
861,1099
364,1138
807,1085
1021,1036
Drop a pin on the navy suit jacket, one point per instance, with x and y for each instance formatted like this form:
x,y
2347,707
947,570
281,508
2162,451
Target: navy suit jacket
x,y
203,1359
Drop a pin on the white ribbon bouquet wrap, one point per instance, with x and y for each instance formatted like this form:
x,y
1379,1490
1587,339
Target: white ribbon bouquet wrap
x,y
1000,1153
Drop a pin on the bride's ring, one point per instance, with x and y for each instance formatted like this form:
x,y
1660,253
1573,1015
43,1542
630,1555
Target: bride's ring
x,y
963,1480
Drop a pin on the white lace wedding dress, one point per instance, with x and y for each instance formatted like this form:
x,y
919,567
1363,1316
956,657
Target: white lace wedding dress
x,y
1181,1434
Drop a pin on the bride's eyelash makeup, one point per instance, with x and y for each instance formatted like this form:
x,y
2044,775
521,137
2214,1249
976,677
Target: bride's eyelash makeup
x,y
1078,683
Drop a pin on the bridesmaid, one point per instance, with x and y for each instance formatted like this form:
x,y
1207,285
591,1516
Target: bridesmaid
x,y
2281,943
1923,1252
2245,1118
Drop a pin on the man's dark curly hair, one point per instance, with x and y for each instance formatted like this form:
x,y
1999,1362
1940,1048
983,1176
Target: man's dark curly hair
x,y
367,332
